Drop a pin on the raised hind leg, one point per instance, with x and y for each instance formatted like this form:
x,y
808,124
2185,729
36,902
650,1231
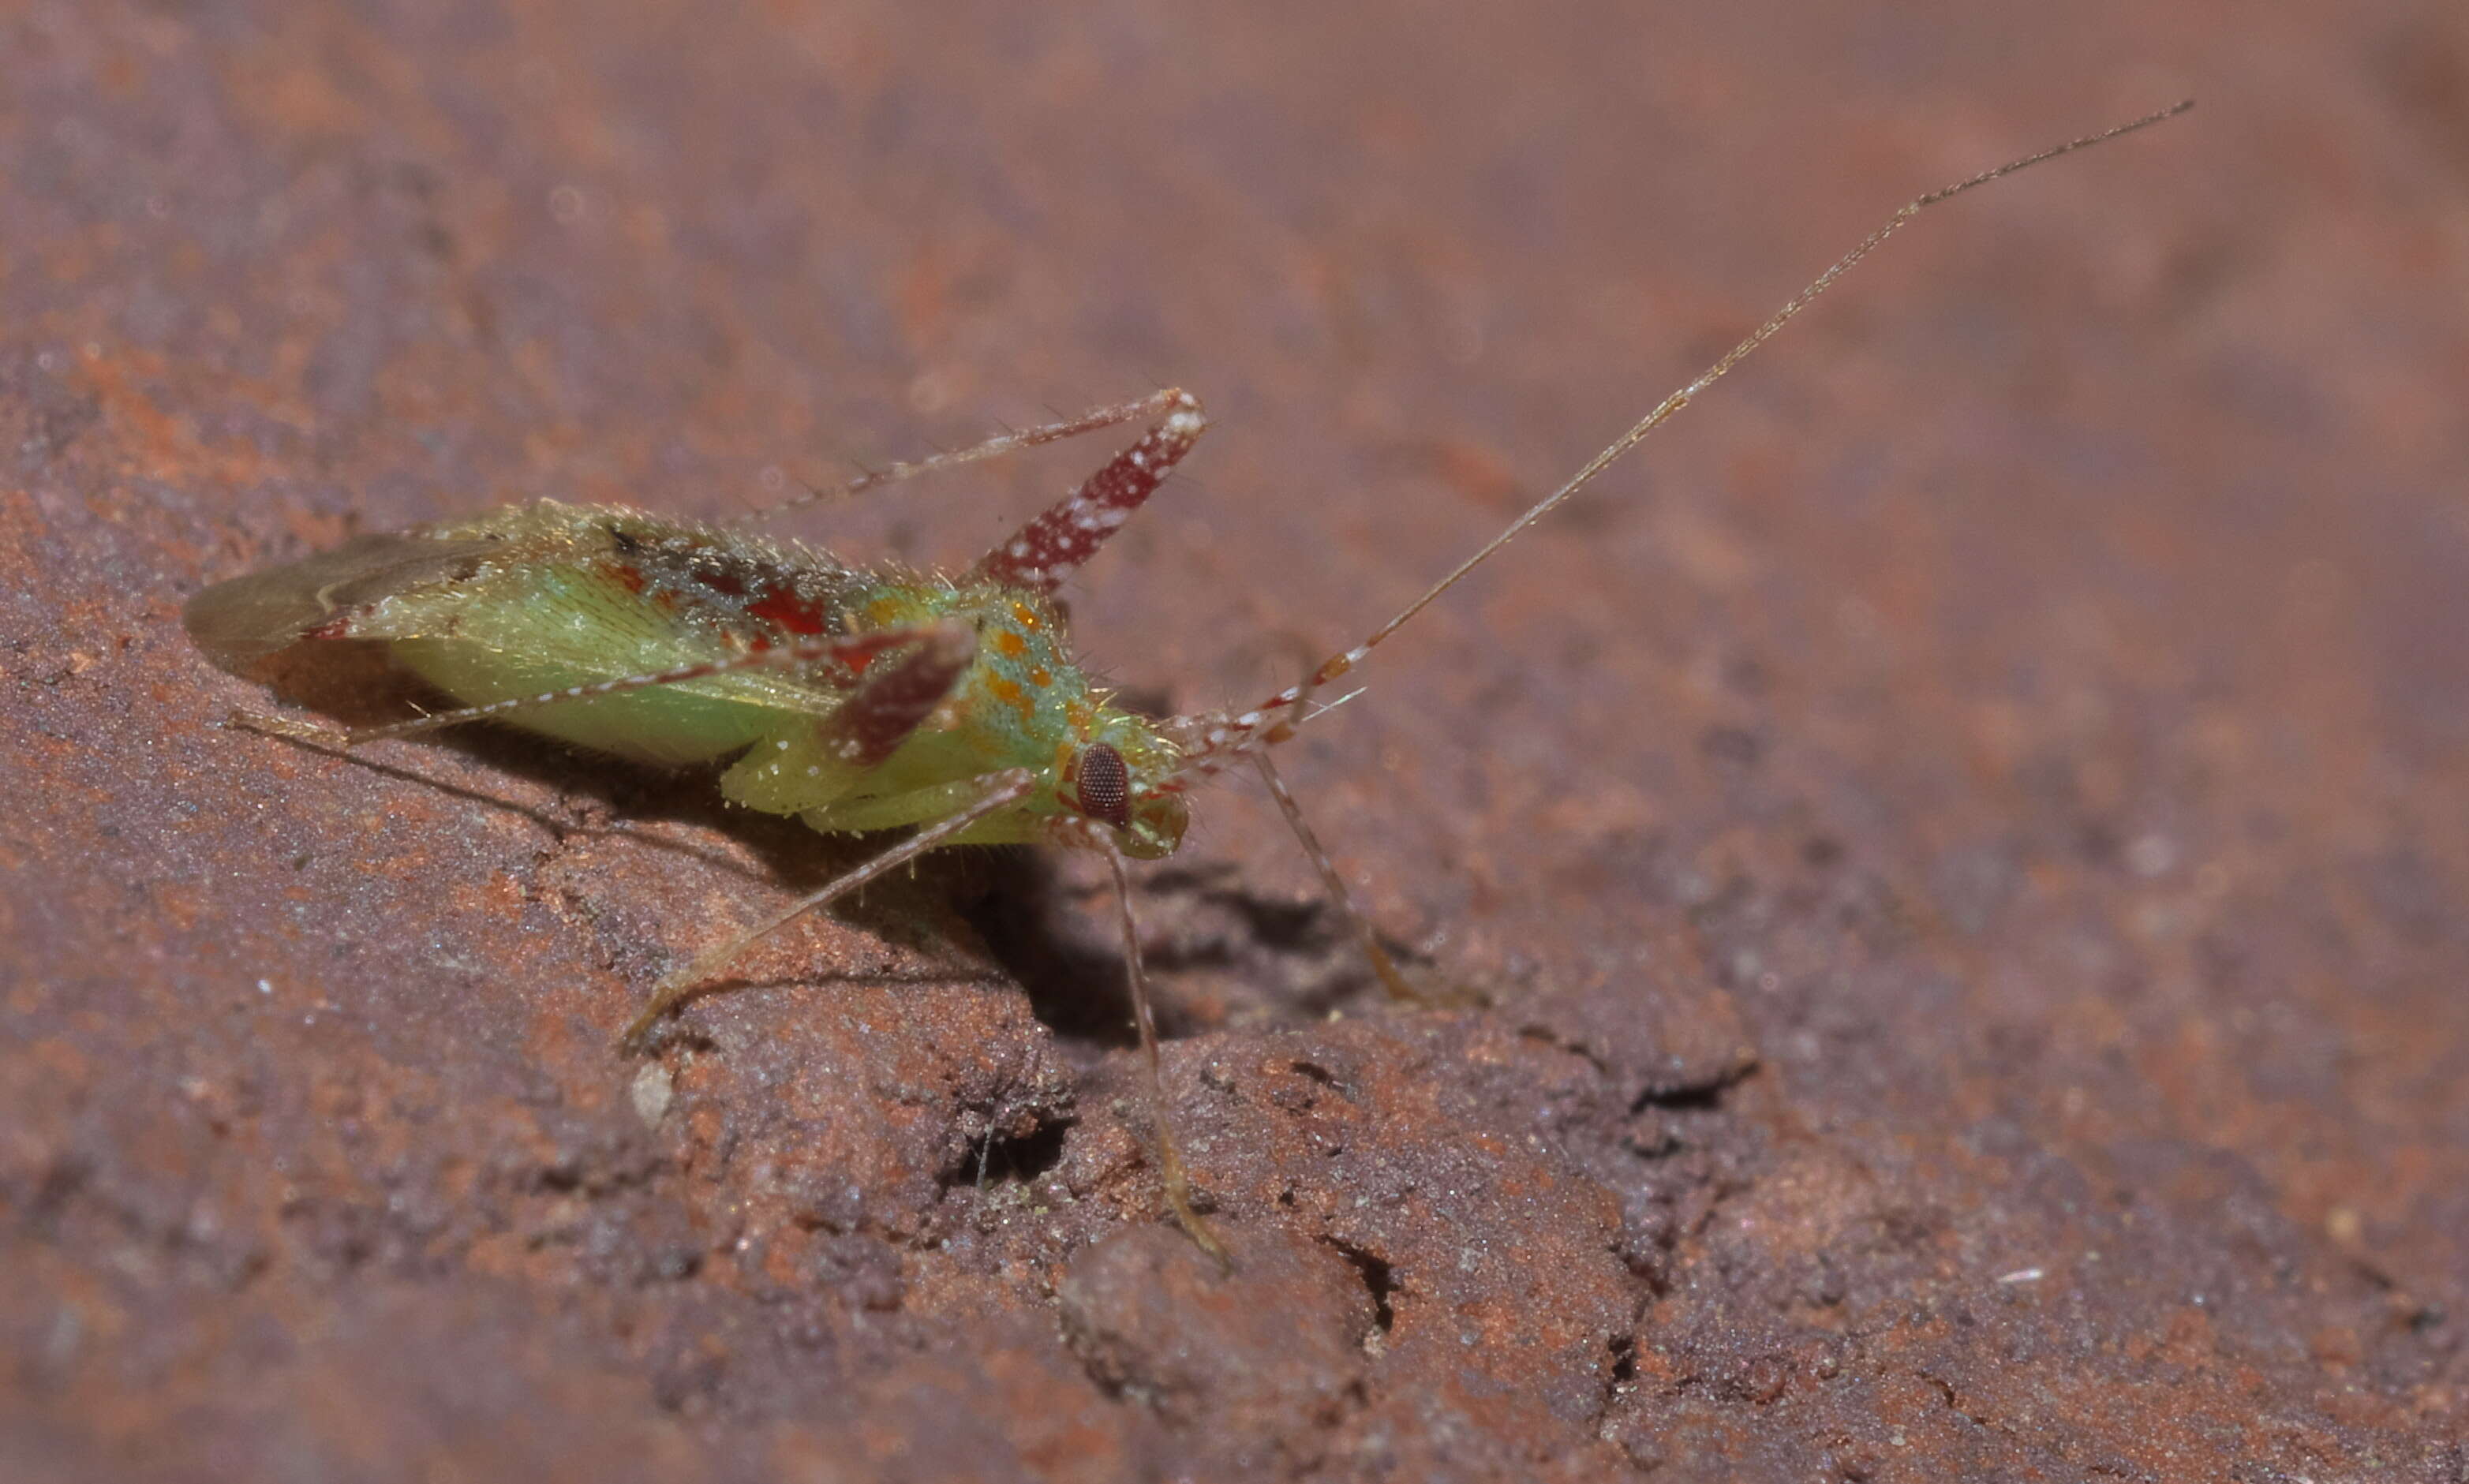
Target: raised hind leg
x,y
1041,555
1157,405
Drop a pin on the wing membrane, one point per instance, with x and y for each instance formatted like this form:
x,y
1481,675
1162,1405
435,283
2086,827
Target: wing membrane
x,y
242,620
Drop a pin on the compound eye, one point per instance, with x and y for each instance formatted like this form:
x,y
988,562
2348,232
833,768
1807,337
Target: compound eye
x,y
1105,785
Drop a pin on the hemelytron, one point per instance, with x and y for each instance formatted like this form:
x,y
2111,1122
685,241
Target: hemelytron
x,y
858,699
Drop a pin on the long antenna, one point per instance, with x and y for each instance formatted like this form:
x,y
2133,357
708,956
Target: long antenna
x,y
1272,721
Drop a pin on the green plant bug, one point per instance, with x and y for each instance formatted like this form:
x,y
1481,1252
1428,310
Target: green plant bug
x,y
858,701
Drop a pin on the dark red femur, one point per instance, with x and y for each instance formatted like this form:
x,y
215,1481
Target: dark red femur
x,y
1105,785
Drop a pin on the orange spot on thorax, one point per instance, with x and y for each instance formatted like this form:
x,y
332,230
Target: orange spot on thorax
x,y
1011,694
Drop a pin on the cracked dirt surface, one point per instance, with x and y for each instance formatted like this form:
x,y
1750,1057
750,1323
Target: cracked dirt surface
x,y
1963,846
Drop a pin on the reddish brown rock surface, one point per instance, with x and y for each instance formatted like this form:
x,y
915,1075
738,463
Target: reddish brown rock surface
x,y
1966,839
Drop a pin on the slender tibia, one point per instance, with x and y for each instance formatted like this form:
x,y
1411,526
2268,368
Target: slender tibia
x,y
1155,404
1170,1172
673,989
1391,979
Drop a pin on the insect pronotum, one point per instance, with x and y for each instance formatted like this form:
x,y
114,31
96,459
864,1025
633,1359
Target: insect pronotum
x,y
856,699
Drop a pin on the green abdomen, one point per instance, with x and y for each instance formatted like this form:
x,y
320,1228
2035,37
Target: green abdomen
x,y
669,724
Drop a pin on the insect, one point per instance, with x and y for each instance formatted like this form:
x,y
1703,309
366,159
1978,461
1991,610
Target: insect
x,y
858,699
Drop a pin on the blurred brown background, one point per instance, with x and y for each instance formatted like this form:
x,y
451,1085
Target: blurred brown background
x,y
1965,835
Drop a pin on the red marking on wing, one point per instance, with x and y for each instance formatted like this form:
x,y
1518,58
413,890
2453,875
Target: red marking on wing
x,y
722,580
628,576
860,650
784,609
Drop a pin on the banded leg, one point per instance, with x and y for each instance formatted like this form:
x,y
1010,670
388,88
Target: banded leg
x,y
1042,554
1001,791
1157,405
